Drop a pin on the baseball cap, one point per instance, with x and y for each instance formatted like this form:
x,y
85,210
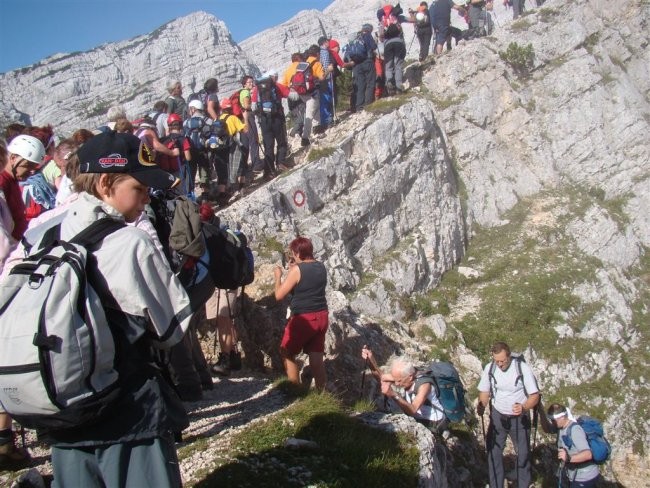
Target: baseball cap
x,y
114,152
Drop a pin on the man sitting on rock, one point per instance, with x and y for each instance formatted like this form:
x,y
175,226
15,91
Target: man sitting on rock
x,y
419,400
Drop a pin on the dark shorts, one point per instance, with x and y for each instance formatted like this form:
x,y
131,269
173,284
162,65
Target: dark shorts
x,y
306,332
442,33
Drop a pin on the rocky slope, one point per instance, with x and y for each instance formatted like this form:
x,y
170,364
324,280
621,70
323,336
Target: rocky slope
x,y
553,157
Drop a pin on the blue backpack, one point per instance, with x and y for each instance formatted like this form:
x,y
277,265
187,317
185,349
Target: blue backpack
x,y
599,446
356,49
449,388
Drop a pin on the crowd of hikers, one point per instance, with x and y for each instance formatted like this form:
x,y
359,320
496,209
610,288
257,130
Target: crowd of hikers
x,y
110,245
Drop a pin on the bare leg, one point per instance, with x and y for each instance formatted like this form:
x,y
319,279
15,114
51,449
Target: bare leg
x,y
5,421
224,329
291,366
317,366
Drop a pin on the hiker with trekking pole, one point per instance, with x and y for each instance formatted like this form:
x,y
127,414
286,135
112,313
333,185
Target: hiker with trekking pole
x,y
509,386
411,390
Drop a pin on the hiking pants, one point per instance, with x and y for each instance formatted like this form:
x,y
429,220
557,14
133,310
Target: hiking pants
x,y
518,428
238,165
326,102
363,83
424,38
517,8
297,116
219,160
312,112
394,54
252,137
149,463
274,130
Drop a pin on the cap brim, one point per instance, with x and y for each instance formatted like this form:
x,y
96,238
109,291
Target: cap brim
x,y
155,178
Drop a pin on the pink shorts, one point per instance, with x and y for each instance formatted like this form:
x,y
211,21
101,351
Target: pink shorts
x,y
306,332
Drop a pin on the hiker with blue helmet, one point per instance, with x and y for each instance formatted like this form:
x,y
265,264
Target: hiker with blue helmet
x,y
576,459
509,386
419,399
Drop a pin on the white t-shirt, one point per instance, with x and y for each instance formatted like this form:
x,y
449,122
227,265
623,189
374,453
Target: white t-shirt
x,y
505,392
433,412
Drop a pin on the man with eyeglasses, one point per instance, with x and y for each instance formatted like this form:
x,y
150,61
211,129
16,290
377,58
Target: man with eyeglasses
x,y
509,386
25,156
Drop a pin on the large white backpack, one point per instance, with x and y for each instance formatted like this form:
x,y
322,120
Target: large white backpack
x,y
57,351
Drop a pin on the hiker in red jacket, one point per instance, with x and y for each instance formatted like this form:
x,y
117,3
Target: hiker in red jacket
x,y
25,157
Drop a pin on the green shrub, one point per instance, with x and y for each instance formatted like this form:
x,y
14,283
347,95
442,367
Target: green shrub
x,y
520,58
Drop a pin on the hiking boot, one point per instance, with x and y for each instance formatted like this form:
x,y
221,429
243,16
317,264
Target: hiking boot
x,y
235,360
304,142
13,458
222,366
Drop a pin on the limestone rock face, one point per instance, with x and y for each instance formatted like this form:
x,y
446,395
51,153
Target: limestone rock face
x,y
75,90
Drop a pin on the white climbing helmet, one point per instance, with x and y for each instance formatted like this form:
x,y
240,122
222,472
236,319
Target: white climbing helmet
x,y
197,104
27,147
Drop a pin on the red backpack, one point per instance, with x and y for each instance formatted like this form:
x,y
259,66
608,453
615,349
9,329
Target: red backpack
x,y
169,163
392,27
302,80
237,109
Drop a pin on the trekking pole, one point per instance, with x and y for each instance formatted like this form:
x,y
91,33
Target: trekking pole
x,y
333,100
517,450
496,20
363,378
483,426
216,330
535,422
411,45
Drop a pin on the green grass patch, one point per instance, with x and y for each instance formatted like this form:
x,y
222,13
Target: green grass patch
x,y
349,453
387,105
525,286
547,14
320,152
520,25
591,41
443,103
269,246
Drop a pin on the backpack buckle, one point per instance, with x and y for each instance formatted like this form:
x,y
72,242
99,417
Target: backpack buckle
x,y
35,281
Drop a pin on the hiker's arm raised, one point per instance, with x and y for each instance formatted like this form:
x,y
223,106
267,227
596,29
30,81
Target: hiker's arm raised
x,y
283,288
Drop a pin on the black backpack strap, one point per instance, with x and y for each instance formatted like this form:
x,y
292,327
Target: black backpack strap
x,y
493,381
97,231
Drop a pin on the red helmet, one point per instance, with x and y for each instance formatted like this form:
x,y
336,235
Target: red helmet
x,y
174,119
225,104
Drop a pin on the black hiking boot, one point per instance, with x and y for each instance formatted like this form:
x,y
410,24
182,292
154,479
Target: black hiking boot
x,y
304,142
235,360
13,458
222,366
